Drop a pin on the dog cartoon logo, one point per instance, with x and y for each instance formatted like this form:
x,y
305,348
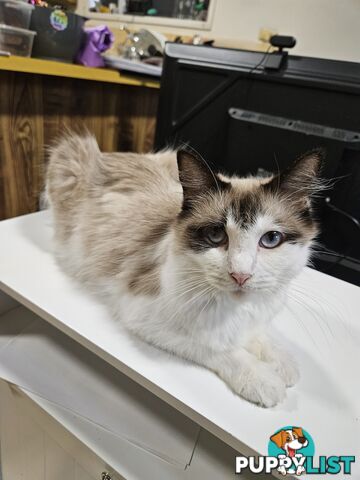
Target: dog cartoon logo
x,y
289,442
291,450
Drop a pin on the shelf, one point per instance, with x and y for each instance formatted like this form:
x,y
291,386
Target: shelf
x,y
60,69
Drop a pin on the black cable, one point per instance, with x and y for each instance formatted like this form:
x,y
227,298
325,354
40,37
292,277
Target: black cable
x,y
214,94
342,256
342,212
249,76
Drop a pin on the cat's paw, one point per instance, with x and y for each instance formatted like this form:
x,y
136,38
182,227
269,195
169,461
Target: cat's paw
x,y
286,367
278,358
260,385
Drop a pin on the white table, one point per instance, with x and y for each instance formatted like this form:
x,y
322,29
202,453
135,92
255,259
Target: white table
x,y
321,326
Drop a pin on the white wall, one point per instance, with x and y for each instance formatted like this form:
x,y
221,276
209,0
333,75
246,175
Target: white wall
x,y
323,28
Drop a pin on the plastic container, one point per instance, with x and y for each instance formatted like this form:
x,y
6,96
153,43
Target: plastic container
x,y
16,41
15,13
60,34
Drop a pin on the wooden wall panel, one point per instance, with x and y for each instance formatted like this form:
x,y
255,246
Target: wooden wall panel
x,y
21,147
35,110
137,128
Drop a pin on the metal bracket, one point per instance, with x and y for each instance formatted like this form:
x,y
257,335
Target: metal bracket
x,y
339,134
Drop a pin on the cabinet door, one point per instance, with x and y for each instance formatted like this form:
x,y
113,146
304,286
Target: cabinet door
x,y
36,447
76,379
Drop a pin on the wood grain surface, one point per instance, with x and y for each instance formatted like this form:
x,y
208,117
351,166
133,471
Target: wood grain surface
x,y
37,109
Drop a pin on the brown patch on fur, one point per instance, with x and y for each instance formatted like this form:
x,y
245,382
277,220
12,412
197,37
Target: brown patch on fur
x,y
298,226
301,180
196,177
145,280
156,233
244,208
197,239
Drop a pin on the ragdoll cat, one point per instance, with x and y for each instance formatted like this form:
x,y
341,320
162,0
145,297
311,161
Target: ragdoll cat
x,y
192,262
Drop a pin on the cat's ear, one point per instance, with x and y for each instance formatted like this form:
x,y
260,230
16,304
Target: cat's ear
x,y
196,177
301,180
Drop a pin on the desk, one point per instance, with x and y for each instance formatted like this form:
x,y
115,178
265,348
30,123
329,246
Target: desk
x,y
323,333
40,99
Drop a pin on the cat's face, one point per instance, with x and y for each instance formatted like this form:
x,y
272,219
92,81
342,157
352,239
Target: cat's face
x,y
245,234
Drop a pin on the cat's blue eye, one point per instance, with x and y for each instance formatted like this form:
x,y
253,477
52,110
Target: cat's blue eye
x,y
271,239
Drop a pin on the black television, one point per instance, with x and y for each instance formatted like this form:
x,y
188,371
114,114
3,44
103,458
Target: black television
x,y
245,118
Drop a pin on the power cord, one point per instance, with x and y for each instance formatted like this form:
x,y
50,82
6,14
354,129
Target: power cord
x,y
216,93
249,76
340,256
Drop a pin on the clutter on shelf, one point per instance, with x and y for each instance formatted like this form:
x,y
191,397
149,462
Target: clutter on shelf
x,y
97,41
15,36
41,29
60,33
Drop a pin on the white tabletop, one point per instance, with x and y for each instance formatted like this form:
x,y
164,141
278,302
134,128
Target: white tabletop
x,y
321,326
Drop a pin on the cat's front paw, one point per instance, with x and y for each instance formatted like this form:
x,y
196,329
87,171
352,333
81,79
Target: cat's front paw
x,y
277,357
261,385
286,367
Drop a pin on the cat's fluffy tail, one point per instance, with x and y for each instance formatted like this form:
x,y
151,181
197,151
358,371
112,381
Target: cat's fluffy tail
x,y
72,167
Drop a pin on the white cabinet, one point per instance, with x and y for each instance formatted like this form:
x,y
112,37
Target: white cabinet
x,y
90,398
87,418
36,447
41,359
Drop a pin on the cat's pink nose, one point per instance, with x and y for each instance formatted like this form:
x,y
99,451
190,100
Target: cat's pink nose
x,y
240,278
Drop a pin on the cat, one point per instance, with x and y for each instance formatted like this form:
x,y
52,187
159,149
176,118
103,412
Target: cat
x,y
192,262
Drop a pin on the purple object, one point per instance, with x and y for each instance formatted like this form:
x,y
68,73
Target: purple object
x,y
98,40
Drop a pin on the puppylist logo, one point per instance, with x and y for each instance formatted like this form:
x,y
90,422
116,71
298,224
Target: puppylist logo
x,y
291,445
291,451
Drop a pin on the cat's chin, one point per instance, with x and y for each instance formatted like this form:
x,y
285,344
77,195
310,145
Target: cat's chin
x,y
242,292
237,291
233,291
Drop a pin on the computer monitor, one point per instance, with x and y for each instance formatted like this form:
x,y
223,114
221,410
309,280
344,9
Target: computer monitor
x,y
244,118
